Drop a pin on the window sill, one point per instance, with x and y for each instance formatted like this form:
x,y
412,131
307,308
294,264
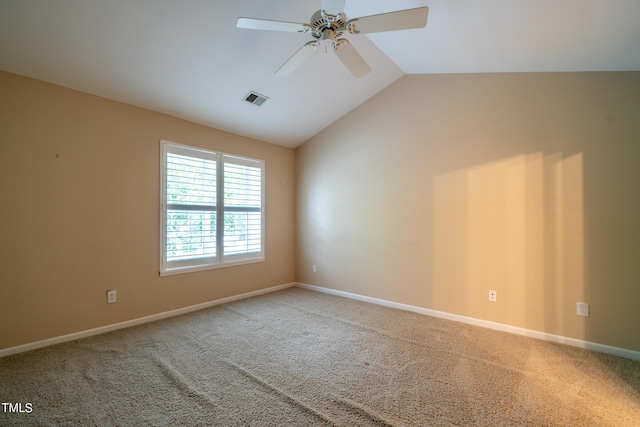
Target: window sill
x,y
193,268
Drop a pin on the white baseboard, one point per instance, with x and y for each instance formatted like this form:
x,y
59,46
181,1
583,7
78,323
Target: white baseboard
x,y
601,348
103,329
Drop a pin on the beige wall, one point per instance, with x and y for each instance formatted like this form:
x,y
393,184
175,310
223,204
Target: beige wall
x,y
436,190
445,186
79,197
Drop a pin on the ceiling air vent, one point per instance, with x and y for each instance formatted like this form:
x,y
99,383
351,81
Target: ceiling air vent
x,y
255,98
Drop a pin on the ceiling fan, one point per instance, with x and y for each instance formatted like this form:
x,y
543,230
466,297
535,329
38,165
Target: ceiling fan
x,y
327,26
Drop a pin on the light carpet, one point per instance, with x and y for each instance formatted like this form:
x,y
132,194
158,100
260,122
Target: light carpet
x,y
302,358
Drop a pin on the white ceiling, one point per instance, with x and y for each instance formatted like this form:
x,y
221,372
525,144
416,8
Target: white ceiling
x,y
186,58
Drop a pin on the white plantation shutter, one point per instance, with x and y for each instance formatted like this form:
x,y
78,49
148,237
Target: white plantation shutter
x,y
191,207
242,206
212,209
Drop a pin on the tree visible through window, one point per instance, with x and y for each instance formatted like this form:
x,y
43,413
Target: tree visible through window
x,y
212,209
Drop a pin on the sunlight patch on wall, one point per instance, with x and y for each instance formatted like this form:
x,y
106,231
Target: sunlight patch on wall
x,y
515,226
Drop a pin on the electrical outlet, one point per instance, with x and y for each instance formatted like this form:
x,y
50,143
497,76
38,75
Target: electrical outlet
x,y
493,296
111,297
314,268
582,309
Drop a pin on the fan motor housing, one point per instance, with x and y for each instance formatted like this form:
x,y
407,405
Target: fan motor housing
x,y
321,21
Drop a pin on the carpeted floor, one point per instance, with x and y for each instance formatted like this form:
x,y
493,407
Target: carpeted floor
x,y
302,358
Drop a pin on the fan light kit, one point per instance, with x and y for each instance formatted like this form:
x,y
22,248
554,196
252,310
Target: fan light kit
x,y
328,25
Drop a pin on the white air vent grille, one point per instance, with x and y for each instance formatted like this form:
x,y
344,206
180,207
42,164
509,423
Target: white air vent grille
x,y
255,98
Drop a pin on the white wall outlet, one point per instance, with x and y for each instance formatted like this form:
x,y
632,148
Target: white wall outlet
x,y
314,268
111,296
493,296
582,309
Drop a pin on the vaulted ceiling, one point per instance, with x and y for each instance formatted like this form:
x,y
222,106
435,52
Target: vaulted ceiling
x,y
186,58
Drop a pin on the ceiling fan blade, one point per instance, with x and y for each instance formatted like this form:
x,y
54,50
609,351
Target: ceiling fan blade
x,y
332,7
352,59
265,24
400,20
296,60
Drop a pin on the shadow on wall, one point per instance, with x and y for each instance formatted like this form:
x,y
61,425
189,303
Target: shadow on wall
x,y
515,226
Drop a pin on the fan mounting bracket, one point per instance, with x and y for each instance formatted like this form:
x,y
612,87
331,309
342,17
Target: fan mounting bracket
x,y
350,26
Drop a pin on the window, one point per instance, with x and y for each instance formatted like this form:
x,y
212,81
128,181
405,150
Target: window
x,y
212,209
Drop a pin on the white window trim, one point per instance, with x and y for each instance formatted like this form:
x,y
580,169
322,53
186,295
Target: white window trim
x,y
200,264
